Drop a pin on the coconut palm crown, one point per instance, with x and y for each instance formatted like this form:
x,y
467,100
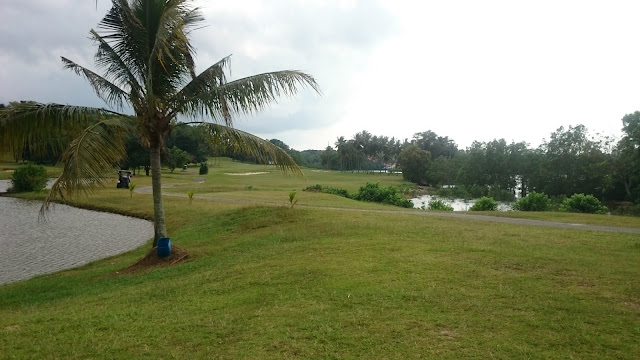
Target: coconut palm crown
x,y
147,61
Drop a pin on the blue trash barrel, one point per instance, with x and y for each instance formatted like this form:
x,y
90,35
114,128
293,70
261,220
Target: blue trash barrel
x,y
164,247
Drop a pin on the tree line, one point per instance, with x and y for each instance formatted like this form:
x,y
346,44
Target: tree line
x,y
571,161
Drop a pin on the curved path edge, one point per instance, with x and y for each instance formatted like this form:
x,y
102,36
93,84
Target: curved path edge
x,y
506,220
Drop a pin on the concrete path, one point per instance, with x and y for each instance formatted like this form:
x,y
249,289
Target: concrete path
x,y
71,237
457,215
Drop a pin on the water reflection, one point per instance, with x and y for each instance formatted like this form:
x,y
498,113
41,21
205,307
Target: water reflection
x,y
457,204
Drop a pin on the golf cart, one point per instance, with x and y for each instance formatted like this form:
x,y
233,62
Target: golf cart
x,y
124,178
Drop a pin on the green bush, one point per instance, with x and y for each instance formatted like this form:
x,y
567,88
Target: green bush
x,y
313,188
501,194
386,195
328,190
485,204
533,202
204,169
439,205
29,177
581,203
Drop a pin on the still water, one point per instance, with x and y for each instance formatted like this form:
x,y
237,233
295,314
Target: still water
x,y
457,204
71,237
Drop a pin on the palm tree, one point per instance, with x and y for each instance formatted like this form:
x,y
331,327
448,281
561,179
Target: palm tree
x,y
148,63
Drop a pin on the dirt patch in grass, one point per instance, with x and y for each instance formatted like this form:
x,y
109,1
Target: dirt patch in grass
x,y
633,305
151,261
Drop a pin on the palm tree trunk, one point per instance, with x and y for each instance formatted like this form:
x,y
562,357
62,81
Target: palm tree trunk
x,y
158,209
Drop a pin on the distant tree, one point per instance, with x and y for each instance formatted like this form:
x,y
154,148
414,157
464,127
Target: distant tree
x,y
573,162
191,139
176,158
436,145
137,156
280,144
443,171
330,159
414,162
626,157
343,152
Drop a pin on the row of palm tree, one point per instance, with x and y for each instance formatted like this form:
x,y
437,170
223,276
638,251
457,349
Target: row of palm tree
x,y
147,62
364,148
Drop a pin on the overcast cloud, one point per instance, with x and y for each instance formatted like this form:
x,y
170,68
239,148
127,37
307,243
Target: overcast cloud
x,y
470,70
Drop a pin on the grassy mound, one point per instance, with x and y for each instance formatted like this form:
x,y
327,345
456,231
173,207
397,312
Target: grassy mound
x,y
271,282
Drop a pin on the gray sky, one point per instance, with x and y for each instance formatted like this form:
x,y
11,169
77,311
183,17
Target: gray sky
x,y
470,70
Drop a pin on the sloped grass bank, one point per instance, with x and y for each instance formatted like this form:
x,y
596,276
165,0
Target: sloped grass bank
x,y
274,282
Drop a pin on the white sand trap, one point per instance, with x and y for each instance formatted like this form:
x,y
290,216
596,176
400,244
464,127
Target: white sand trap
x,y
247,173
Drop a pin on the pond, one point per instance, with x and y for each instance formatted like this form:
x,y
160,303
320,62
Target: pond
x,y
457,204
71,237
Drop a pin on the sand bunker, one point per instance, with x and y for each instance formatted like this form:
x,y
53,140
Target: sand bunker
x,y
247,173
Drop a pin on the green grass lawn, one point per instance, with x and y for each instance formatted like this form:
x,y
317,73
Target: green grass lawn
x,y
271,282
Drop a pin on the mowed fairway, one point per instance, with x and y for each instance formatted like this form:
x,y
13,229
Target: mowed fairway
x,y
312,282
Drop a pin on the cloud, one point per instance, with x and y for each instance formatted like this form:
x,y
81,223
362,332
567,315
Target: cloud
x,y
468,70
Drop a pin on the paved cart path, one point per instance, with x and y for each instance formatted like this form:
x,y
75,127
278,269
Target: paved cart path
x,y
457,215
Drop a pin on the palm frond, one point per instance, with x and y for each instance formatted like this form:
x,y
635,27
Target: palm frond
x,y
106,90
253,93
238,141
36,125
189,100
117,70
127,37
169,63
90,158
209,95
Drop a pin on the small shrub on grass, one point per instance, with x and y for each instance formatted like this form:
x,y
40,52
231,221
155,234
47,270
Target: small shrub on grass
x,y
386,195
132,187
485,204
439,205
29,177
533,202
328,190
581,203
337,191
313,188
292,198
204,169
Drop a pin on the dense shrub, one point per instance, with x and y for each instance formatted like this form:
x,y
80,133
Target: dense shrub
x,y
204,169
337,191
313,188
533,202
485,204
373,192
581,203
439,205
328,190
29,177
499,194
